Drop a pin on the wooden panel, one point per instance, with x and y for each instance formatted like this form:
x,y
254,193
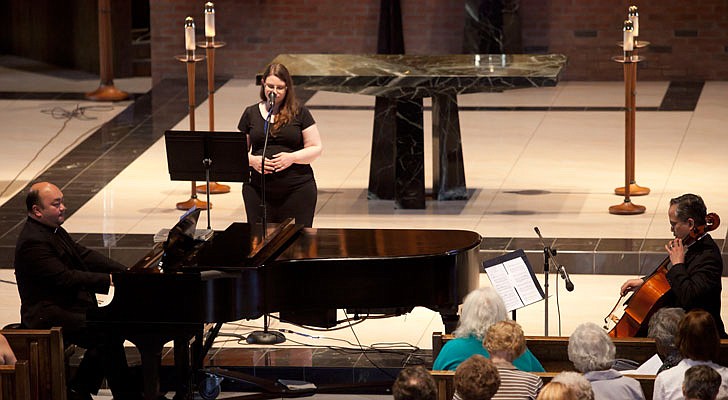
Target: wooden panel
x,y
15,381
44,351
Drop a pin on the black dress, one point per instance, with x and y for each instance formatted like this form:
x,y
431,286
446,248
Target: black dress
x,y
290,192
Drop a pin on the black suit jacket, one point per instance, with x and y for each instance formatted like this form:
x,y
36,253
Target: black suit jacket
x,y
58,278
697,282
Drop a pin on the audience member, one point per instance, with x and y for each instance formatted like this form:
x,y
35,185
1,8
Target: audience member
x,y
698,342
7,357
414,383
476,379
592,352
701,383
556,391
505,342
481,308
577,383
663,328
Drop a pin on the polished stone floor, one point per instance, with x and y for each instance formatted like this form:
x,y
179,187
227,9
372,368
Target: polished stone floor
x,y
546,157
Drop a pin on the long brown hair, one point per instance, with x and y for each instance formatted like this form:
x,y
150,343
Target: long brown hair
x,y
288,108
697,337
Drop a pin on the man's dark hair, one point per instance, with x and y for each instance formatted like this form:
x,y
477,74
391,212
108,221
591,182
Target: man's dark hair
x,y
701,383
414,383
690,206
32,199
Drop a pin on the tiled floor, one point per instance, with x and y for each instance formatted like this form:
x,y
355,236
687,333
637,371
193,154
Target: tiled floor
x,y
546,157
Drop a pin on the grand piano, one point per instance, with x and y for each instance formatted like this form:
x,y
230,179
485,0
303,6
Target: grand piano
x,y
304,274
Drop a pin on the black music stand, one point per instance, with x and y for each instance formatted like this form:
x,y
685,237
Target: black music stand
x,y
208,156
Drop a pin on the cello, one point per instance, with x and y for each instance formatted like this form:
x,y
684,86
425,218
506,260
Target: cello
x,y
651,296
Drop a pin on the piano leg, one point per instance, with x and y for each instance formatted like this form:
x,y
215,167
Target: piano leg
x,y
151,354
450,319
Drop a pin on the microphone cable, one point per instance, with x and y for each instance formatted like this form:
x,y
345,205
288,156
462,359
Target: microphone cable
x,y
67,116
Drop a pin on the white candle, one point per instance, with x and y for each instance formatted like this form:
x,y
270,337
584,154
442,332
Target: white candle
x,y
189,34
634,16
628,36
209,20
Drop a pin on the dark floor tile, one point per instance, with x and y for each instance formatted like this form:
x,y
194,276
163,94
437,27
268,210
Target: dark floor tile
x,y
620,245
136,240
491,243
654,245
616,263
649,262
682,96
577,262
529,243
126,256
567,244
336,358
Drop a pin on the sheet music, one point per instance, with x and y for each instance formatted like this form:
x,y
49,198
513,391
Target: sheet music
x,y
513,279
503,284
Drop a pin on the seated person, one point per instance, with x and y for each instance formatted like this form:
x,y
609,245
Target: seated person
x,y
476,379
7,357
414,383
592,352
505,342
577,384
698,341
556,391
481,308
701,383
663,328
57,282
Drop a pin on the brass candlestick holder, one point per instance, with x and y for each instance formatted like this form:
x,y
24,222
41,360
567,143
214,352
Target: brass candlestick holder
x,y
629,62
190,59
210,45
634,188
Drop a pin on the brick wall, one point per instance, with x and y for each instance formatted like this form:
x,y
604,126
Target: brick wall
x,y
689,39
256,31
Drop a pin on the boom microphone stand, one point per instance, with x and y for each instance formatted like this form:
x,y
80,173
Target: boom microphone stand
x,y
549,256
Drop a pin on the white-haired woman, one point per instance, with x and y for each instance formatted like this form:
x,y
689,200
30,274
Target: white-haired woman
x,y
482,308
592,352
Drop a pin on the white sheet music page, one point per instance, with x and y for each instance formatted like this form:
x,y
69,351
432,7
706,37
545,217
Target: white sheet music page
x,y
503,284
522,280
512,278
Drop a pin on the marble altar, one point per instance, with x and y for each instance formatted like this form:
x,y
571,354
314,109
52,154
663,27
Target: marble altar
x,y
402,81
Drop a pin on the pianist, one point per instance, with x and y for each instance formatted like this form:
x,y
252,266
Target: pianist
x,y
57,281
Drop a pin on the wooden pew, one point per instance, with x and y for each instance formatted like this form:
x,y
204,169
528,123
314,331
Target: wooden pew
x,y
15,381
43,349
551,351
446,386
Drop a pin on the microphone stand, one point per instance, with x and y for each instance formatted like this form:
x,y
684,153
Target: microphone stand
x,y
549,256
266,128
265,336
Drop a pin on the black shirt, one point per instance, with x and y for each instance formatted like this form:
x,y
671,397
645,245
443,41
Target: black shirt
x,y
288,138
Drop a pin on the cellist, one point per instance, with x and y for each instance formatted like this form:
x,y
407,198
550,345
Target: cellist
x,y
696,265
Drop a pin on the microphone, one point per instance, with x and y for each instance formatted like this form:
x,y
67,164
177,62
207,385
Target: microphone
x,y
271,99
565,277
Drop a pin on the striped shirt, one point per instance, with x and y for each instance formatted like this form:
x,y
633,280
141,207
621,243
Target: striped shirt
x,y
516,384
